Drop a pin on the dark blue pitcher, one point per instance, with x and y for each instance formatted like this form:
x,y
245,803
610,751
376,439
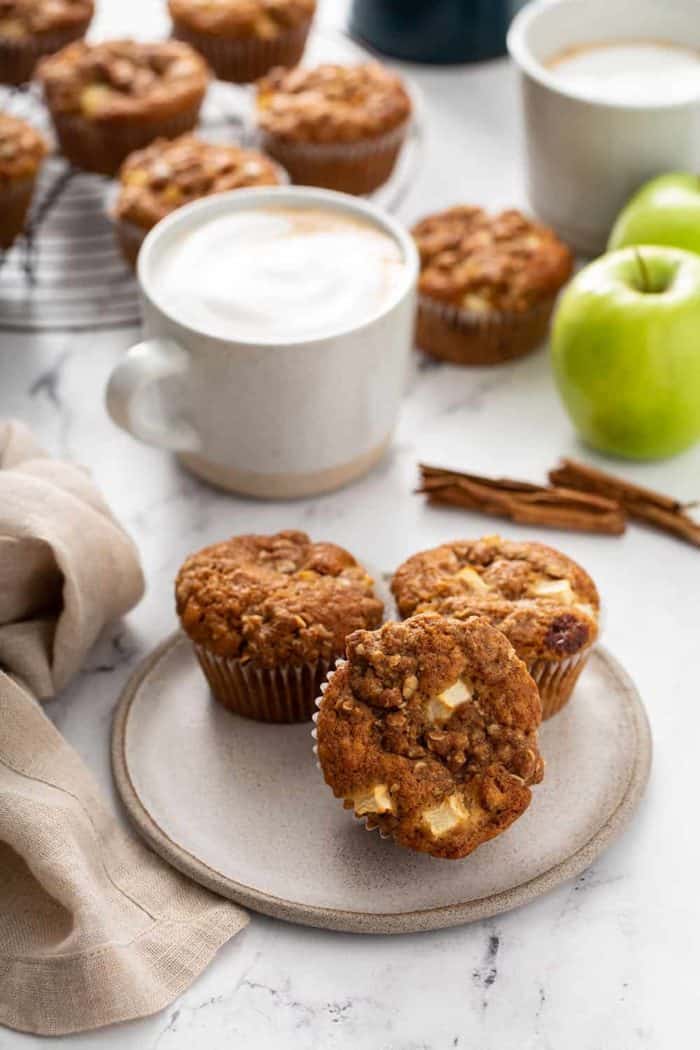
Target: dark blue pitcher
x,y
438,31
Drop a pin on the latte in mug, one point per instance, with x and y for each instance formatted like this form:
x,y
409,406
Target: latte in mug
x,y
637,72
276,273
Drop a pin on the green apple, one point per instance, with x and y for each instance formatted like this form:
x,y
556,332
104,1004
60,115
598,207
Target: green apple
x,y
626,351
665,211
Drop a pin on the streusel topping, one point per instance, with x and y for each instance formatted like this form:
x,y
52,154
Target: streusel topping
x,y
332,103
172,172
429,732
264,19
545,604
275,599
123,79
22,148
485,264
21,18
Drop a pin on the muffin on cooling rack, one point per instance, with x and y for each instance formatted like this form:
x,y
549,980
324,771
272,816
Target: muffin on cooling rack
x,y
111,98
30,29
171,172
268,615
341,127
429,733
22,149
243,39
487,284
546,605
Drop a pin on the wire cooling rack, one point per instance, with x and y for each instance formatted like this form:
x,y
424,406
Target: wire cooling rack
x,y
66,274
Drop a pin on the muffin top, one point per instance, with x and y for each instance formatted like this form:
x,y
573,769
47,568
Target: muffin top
x,y
171,172
22,148
429,732
123,79
484,264
264,19
20,18
545,604
332,103
274,599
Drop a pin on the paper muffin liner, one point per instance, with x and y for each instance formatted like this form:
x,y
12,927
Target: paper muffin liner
x,y
18,58
556,679
130,236
242,61
367,821
286,693
101,148
350,167
465,337
15,198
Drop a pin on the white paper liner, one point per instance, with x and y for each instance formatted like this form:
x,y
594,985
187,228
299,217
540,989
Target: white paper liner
x,y
556,679
338,150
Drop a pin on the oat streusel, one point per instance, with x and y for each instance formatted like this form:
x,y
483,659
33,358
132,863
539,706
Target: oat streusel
x,y
110,98
429,733
545,604
487,284
32,28
243,39
170,173
22,150
262,609
331,103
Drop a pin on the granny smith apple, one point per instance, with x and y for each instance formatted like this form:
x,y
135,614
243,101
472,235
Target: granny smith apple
x,y
664,211
626,351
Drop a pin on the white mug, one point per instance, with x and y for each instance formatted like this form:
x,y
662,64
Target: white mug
x,y
272,420
586,157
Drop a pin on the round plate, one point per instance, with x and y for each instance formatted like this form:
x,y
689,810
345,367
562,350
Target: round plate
x,y
66,273
241,807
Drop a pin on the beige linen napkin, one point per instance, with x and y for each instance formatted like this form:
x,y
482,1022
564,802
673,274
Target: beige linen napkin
x,y
94,928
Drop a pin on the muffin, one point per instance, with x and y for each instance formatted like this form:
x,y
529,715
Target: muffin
x,y
171,172
544,603
109,99
487,284
341,127
268,616
30,29
429,733
244,39
22,150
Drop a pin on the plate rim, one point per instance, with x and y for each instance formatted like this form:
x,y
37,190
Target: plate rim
x,y
340,920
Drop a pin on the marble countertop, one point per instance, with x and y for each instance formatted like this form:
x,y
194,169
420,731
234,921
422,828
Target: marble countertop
x,y
606,961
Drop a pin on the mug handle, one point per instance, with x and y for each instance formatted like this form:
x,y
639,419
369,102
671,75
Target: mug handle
x,y
144,369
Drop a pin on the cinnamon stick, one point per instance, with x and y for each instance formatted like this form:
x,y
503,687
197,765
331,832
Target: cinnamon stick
x,y
555,506
643,504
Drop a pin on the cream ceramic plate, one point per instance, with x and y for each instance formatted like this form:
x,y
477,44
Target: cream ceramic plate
x,y
241,807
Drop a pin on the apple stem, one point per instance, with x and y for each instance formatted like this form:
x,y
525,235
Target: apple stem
x,y
643,271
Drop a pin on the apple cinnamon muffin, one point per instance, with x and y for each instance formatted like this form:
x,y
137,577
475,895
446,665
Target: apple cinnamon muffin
x,y
172,172
341,127
111,98
487,284
30,29
22,150
268,616
244,39
428,732
546,605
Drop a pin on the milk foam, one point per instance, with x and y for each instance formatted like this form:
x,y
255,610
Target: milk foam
x,y
278,274
637,72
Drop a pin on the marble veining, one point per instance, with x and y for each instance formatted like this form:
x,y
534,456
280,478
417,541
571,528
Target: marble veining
x,y
607,962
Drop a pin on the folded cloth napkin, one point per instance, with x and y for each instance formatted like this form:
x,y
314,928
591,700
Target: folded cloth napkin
x,y
94,928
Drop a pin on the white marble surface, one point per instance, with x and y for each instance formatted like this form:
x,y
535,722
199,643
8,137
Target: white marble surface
x,y
608,962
